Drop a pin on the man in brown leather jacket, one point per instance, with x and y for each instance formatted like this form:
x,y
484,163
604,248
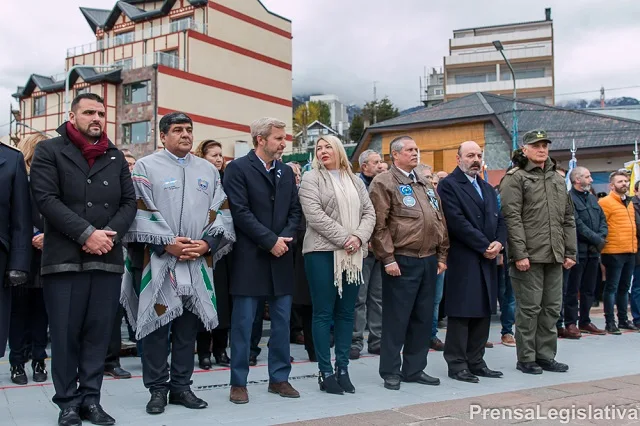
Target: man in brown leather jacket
x,y
410,239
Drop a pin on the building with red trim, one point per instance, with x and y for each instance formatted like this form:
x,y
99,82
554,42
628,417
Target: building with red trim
x,y
223,62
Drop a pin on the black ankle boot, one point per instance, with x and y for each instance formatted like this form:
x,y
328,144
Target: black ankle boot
x,y
344,381
329,384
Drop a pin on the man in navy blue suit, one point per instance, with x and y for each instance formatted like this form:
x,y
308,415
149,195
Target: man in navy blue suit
x,y
477,234
263,199
15,231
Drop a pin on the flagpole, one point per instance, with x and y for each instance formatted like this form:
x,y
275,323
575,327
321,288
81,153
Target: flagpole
x,y
635,151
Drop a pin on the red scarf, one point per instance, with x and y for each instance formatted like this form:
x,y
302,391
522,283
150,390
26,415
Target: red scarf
x,y
89,151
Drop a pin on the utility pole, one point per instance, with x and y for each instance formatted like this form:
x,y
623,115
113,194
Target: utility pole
x,y
602,97
375,103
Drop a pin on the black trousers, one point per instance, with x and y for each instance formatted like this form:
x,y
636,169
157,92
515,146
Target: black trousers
x,y
214,341
115,343
305,314
81,307
582,278
464,346
407,306
156,374
28,325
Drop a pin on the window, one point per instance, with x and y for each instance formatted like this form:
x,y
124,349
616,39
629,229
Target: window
x,y
123,38
82,90
439,92
136,132
126,64
475,78
522,74
169,58
39,105
181,24
138,92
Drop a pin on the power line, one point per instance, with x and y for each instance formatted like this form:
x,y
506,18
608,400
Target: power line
x,y
598,90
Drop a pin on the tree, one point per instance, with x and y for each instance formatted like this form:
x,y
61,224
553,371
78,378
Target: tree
x,y
384,110
324,113
307,113
357,128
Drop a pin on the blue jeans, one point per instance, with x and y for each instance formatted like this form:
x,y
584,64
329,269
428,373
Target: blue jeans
x,y
635,296
619,269
507,300
436,304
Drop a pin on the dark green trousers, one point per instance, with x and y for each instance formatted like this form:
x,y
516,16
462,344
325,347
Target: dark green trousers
x,y
538,293
329,308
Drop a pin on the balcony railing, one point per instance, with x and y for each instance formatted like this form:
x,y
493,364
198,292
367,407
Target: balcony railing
x,y
135,36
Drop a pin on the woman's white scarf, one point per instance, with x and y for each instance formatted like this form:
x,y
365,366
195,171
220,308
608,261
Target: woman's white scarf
x,y
348,201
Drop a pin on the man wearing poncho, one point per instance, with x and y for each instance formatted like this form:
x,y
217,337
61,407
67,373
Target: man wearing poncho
x,y
183,221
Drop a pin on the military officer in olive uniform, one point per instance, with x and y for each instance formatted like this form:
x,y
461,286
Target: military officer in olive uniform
x,y
542,241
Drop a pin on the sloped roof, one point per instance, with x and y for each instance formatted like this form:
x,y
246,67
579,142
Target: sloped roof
x,y
563,125
49,85
106,19
317,123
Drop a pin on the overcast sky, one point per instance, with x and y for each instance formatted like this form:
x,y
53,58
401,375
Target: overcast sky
x,y
342,46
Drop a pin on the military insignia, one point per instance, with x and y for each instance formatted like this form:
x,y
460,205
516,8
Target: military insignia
x,y
540,135
203,184
405,189
409,201
433,200
431,193
279,173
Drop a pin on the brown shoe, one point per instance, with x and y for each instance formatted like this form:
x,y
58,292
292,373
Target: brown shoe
x,y
562,332
508,340
239,395
488,345
592,329
284,389
572,332
436,344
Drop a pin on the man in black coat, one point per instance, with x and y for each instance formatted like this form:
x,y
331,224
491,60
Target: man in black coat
x,y
263,199
477,233
15,232
82,186
591,230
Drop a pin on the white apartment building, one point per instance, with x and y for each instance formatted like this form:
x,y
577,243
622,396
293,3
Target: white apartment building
x,y
474,64
339,116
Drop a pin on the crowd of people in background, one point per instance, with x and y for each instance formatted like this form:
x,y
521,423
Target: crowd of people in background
x,y
194,251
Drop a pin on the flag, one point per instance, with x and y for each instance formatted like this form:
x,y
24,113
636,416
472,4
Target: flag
x,y
572,165
308,166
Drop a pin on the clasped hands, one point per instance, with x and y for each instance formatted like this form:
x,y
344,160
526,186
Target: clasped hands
x,y
187,249
493,250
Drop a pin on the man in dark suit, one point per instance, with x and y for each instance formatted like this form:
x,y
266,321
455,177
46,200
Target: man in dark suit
x,y
263,199
82,186
477,234
15,232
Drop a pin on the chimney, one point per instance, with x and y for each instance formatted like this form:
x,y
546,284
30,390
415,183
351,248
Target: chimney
x,y
547,14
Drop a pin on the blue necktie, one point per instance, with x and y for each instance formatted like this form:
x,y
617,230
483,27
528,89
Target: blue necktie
x,y
477,187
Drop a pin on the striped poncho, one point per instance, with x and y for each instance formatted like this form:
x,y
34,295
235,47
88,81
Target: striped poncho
x,y
175,199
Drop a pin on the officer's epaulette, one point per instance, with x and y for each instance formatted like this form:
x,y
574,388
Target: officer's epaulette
x,y
9,146
512,171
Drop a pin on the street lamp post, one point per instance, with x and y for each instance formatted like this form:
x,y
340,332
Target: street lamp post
x,y
514,134
67,99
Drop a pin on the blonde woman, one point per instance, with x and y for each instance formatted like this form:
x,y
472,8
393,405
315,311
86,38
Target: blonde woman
x,y
340,220
29,321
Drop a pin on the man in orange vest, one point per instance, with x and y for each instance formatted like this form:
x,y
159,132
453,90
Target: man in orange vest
x,y
618,255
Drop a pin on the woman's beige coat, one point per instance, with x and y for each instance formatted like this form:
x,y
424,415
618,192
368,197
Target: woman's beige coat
x,y
324,232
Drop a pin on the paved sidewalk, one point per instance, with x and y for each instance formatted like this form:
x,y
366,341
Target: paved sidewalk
x,y
592,358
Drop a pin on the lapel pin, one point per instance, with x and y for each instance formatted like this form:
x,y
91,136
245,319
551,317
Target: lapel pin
x,y
113,158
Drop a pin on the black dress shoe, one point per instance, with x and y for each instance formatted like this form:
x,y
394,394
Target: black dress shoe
x,y
39,371
222,359
464,376
529,367
204,363
354,353
96,415
552,365
424,379
392,382
188,399
69,417
253,360
486,372
117,372
627,325
18,375
157,402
